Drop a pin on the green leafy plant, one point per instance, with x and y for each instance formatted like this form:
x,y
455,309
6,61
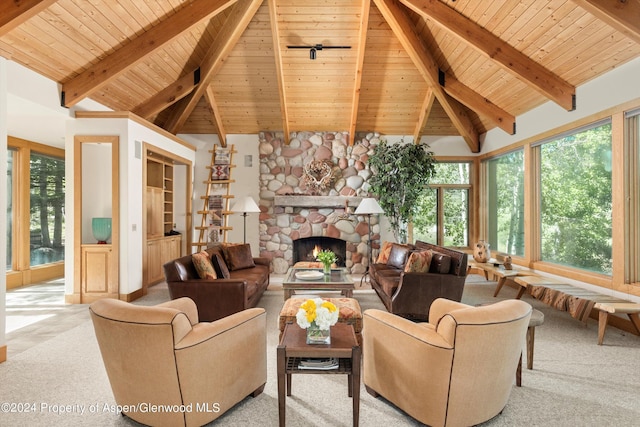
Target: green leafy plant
x,y
401,173
326,257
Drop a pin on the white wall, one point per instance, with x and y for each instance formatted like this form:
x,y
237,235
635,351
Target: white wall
x,y
130,187
3,199
34,99
614,88
246,182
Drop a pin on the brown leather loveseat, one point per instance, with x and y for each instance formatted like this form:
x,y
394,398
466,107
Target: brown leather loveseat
x,y
241,281
410,294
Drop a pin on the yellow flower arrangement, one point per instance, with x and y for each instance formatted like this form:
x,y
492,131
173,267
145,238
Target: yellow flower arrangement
x,y
317,314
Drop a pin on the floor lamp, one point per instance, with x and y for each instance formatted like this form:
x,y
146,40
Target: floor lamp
x,y
368,207
245,206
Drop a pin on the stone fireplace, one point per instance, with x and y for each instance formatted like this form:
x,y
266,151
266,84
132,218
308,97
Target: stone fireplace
x,y
290,211
306,248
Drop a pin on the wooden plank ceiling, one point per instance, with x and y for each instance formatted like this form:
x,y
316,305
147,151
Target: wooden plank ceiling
x,y
412,67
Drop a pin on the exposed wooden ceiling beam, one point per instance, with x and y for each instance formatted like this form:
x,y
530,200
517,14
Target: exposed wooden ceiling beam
x,y
215,111
405,31
103,72
537,76
14,13
169,95
425,111
275,35
231,30
622,15
362,41
479,104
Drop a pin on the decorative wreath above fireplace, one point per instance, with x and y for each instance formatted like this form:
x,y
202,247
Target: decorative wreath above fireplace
x,y
318,175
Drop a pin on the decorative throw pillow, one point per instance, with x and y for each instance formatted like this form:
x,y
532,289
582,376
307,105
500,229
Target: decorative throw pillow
x,y
398,255
383,256
238,257
418,262
203,265
440,263
221,267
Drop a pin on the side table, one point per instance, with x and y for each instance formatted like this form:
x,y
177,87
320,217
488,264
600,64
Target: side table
x,y
537,319
293,348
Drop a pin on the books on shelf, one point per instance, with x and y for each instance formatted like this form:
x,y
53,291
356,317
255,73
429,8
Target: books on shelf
x,y
321,364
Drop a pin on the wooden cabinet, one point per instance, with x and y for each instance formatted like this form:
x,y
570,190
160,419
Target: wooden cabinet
x,y
155,206
170,248
159,251
98,273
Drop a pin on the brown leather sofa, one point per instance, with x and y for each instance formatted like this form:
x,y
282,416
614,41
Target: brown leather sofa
x,y
410,294
242,279
456,370
163,355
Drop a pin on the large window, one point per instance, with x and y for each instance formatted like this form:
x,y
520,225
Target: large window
x,y
575,199
35,210
505,222
443,211
46,210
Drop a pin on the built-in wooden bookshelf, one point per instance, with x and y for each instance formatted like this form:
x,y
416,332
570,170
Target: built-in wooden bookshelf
x,y
159,195
161,246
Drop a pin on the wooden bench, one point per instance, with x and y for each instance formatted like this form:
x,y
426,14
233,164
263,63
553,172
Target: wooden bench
x,y
497,272
580,302
606,308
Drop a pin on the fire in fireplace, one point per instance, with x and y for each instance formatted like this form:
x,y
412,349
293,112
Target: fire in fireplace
x,y
306,248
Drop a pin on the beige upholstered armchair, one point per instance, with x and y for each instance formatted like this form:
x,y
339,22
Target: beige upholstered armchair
x,y
456,370
162,355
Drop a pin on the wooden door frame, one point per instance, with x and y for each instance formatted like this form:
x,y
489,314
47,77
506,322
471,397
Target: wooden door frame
x,y
78,140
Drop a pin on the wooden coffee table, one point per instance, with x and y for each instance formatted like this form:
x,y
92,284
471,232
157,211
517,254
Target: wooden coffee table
x,y
338,280
293,347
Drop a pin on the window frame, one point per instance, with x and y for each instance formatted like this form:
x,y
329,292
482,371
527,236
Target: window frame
x,y
486,170
22,273
537,149
472,201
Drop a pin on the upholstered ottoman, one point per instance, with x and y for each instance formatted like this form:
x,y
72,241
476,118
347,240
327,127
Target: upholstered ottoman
x,y
348,308
307,264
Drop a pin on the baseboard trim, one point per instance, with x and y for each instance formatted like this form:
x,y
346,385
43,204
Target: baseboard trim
x,y
132,296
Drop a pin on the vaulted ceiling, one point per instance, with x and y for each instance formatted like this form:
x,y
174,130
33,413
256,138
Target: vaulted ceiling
x,y
412,67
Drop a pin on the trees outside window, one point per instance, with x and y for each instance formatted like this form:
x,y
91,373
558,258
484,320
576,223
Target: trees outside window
x,y
46,209
505,201
443,210
575,199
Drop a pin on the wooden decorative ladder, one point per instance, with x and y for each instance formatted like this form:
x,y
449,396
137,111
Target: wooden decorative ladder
x,y
215,187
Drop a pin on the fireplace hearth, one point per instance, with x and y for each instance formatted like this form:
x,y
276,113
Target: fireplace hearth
x,y
303,248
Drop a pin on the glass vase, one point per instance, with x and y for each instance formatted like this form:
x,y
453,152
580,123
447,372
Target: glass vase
x,y
327,269
315,335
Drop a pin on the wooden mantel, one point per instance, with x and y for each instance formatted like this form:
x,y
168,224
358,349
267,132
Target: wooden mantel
x,y
317,201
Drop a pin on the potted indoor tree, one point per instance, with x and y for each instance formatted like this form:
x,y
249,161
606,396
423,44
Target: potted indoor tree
x,y
401,173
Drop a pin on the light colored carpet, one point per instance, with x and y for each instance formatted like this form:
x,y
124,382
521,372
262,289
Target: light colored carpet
x,y
574,381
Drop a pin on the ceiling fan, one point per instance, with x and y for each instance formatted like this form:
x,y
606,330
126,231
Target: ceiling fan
x,y
314,48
